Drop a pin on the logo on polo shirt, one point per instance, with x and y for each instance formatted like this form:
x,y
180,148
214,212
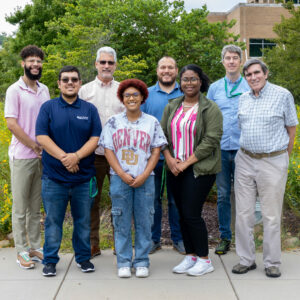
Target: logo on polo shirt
x,y
82,117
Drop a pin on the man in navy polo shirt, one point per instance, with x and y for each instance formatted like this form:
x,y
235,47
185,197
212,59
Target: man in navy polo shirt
x,y
68,129
165,89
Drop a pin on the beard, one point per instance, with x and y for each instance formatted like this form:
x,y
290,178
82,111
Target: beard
x,y
166,83
32,76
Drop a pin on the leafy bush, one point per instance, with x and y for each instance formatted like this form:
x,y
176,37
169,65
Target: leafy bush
x,y
292,193
5,194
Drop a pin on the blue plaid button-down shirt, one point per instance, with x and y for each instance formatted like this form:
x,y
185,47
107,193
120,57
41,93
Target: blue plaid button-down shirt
x,y
263,119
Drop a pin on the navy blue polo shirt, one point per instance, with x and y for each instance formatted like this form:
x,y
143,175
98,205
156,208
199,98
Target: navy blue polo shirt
x,y
70,126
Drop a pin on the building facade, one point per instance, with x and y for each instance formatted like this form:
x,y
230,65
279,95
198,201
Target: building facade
x,y
254,23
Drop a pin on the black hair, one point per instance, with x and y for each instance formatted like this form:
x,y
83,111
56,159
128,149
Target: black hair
x,y
68,69
203,77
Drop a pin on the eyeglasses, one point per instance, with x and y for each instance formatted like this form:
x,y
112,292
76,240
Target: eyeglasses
x,y
32,61
192,79
134,95
104,62
67,79
228,58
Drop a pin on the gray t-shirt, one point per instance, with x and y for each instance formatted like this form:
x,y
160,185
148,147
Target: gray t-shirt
x,y
132,141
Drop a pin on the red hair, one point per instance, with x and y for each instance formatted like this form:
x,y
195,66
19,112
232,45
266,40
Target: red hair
x,y
136,83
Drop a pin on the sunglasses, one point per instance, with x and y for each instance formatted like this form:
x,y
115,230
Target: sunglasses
x,y
104,62
67,79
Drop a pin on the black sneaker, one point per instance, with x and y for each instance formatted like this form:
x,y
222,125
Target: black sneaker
x,y
223,247
49,270
86,266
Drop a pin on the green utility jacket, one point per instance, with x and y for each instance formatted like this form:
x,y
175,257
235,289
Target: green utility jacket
x,y
209,130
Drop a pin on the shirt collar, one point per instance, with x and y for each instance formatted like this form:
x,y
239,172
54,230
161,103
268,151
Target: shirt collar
x,y
261,92
24,86
230,82
63,103
103,84
157,88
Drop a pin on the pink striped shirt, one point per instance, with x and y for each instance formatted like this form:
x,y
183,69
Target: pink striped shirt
x,y
183,132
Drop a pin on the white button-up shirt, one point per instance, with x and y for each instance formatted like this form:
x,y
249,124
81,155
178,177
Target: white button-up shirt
x,y
104,97
263,119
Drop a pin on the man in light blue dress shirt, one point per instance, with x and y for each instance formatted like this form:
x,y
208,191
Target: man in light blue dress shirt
x,y
164,90
226,93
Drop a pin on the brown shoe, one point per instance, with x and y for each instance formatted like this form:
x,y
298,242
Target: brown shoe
x,y
273,272
24,261
36,254
95,251
241,269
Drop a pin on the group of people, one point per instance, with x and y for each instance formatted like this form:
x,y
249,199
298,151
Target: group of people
x,y
144,139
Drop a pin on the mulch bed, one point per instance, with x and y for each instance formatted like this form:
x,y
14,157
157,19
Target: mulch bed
x,y
211,219
290,222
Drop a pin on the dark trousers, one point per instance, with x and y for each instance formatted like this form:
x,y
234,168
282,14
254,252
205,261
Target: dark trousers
x,y
102,169
190,194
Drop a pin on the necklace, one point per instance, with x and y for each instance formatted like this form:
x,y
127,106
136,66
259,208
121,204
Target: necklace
x,y
187,106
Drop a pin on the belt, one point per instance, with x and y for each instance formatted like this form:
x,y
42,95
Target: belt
x,y
262,155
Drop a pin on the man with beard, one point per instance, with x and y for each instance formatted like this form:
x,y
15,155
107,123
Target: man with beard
x,y
22,104
68,128
165,89
102,92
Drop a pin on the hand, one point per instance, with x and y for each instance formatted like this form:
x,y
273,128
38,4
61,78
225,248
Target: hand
x,y
138,181
73,169
173,165
37,150
128,179
182,166
69,160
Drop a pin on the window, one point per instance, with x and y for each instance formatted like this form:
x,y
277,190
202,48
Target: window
x,y
256,46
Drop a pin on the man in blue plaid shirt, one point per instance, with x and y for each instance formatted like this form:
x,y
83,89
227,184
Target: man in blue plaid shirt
x,y
267,118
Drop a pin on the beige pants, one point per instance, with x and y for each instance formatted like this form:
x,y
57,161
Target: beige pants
x,y
267,176
26,191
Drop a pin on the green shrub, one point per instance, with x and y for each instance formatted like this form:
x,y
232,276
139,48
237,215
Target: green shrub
x,y
292,193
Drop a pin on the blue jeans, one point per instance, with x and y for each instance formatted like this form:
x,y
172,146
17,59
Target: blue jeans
x,y
128,203
224,179
172,209
55,198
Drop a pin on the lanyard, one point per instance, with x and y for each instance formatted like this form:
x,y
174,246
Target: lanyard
x,y
92,195
231,95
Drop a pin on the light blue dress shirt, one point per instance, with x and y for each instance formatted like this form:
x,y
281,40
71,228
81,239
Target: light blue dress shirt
x,y
157,101
229,107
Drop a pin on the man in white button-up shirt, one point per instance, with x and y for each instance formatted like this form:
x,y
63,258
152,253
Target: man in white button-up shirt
x,y
102,92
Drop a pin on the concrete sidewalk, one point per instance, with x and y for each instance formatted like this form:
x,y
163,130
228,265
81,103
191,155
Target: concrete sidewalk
x,y
71,283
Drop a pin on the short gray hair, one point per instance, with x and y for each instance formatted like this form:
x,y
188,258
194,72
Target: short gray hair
x,y
255,61
232,48
108,50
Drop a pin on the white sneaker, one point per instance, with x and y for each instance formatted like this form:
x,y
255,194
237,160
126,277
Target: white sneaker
x,y
201,267
124,272
142,272
187,263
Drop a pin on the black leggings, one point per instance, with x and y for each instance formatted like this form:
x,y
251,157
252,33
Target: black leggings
x,y
190,194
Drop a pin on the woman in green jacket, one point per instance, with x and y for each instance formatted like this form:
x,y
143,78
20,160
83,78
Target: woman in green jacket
x,y
193,127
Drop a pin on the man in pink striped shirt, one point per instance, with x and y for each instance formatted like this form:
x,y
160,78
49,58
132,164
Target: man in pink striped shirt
x,y
22,104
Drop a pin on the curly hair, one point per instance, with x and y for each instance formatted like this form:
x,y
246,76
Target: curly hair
x,y
136,83
203,77
32,50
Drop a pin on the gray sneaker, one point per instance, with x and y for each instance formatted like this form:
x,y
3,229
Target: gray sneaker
x,y
241,269
155,247
179,247
273,271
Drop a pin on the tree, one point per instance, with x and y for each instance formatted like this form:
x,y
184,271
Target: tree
x,y
141,31
284,59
